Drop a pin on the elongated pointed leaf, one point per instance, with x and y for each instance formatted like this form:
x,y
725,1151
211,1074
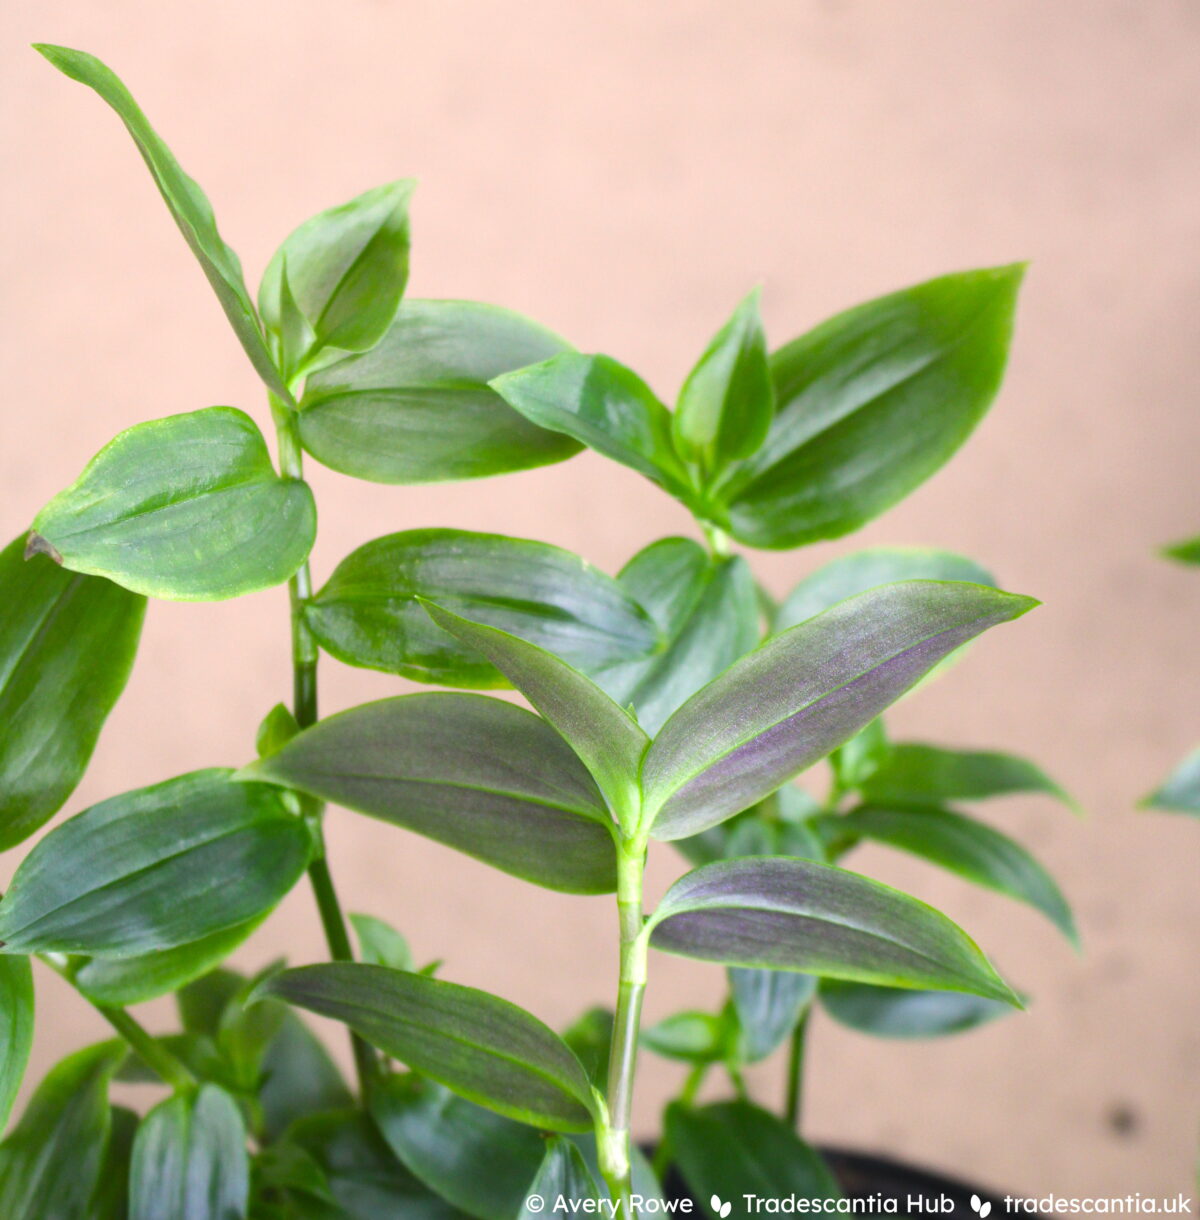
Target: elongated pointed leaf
x,y
706,609
156,868
484,1048
480,775
67,644
190,1160
788,703
417,407
50,1163
870,404
893,1012
187,202
1187,551
768,1003
563,1174
867,569
16,1028
111,1200
781,913
368,613
727,401
187,508
691,1037
605,737
380,944
604,405
971,849
1181,791
298,1078
345,271
735,1148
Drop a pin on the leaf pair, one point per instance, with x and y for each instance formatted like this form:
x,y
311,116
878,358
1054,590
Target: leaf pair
x,y
812,442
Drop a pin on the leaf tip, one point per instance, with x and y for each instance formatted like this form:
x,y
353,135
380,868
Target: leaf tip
x,y
36,544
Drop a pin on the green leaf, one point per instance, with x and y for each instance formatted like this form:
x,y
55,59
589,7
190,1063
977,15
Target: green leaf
x,y
601,404
247,1028
788,703
111,1200
202,1004
590,1037
122,981
707,611
50,1163
768,1004
1181,791
564,1175
277,728
727,401
969,848
16,1028
735,1148
892,1012
187,508
480,775
186,201
1187,551
344,270
912,773
605,738
417,407
691,1037
190,1160
298,1078
381,944
867,569
870,404
67,644
484,1048
856,760
779,913
368,613
482,1163
156,868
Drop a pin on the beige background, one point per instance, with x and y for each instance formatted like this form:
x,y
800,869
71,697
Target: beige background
x,y
625,173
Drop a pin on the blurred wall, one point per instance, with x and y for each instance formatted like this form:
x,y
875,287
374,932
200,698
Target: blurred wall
x,y
624,173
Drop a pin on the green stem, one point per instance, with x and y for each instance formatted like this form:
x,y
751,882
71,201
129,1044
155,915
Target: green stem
x,y
613,1134
304,707
171,1070
664,1154
795,1071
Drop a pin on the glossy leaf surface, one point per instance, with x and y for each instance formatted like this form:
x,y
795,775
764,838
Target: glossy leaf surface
x,y
190,1160
417,407
768,1003
187,202
970,848
691,1037
791,701
156,868
480,775
870,404
67,644
482,1047
784,914
298,1077
1181,791
16,1028
563,1174
368,614
893,1012
187,508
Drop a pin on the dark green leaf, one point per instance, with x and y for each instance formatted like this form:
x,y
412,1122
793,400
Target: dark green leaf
x,y
707,611
187,508
591,1039
380,944
788,703
202,1004
969,848
870,404
484,1048
1181,791
916,774
156,868
345,271
16,1028
417,408
248,1028
734,1148
692,1037
564,1175
768,1003
277,728
605,738
779,913
1187,551
197,1052
479,1161
67,644
187,202
111,1200
298,1078
477,774
726,404
368,614
50,1163
892,1012
190,1160
601,404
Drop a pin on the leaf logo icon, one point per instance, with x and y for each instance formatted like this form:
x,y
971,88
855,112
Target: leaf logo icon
x,y
721,1209
984,1209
